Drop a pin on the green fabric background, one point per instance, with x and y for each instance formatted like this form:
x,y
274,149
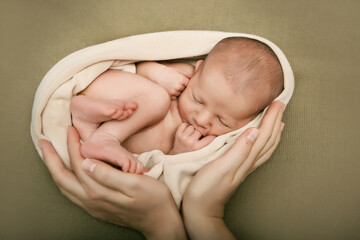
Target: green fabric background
x,y
310,187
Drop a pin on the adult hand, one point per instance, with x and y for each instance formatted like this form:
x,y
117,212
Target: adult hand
x,y
131,200
211,188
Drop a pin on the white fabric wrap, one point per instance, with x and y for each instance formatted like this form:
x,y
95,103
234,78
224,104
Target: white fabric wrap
x,y
51,112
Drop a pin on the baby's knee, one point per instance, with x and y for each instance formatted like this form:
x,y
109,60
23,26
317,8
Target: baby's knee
x,y
160,99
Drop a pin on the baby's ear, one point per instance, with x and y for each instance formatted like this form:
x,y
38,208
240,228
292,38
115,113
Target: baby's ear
x,y
198,63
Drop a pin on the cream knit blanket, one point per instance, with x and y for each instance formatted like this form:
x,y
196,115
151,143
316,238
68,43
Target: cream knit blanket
x,y
51,111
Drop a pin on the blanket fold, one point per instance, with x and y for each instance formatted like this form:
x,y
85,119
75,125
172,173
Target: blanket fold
x,y
51,108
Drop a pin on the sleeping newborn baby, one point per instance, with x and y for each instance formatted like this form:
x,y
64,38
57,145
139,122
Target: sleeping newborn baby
x,y
175,107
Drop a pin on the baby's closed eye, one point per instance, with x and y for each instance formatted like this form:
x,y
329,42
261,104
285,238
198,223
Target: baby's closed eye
x,y
222,122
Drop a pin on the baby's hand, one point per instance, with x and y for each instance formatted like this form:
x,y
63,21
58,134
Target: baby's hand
x,y
174,77
187,139
174,80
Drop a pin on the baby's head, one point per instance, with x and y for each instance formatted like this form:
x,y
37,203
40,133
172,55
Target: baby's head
x,y
236,81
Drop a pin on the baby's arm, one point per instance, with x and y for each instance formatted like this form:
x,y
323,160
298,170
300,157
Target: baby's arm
x,y
188,139
174,77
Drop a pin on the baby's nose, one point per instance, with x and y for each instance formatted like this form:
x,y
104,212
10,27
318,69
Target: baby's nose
x,y
203,119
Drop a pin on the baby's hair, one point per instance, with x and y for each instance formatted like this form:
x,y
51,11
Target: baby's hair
x,y
248,64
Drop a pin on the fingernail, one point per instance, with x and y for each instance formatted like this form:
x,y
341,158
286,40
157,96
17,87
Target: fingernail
x,y
88,165
282,126
253,135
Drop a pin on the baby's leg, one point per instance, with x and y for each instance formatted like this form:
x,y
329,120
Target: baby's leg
x,y
105,146
105,142
88,113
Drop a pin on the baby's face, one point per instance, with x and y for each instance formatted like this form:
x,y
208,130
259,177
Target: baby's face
x,y
209,104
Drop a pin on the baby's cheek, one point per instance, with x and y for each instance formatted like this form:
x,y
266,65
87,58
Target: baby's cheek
x,y
217,131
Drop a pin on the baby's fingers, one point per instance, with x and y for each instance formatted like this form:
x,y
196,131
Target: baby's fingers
x,y
189,130
181,128
188,72
195,135
185,81
205,141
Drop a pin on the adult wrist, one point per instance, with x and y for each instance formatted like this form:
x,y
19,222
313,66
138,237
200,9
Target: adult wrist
x,y
206,227
168,223
170,228
202,221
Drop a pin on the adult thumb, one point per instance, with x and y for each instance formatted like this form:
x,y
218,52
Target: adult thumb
x,y
239,152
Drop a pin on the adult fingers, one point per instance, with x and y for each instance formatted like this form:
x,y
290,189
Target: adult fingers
x,y
266,156
112,178
91,188
245,159
64,178
234,158
273,115
267,127
73,198
93,202
273,134
76,159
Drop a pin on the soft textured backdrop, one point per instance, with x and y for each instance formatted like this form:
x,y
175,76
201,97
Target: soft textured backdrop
x,y
310,187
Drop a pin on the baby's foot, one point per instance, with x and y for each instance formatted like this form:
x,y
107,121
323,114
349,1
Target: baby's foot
x,y
126,112
110,150
96,111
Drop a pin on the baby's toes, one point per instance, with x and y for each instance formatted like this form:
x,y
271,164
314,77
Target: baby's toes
x,y
131,106
140,169
123,116
125,165
133,166
118,114
129,112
